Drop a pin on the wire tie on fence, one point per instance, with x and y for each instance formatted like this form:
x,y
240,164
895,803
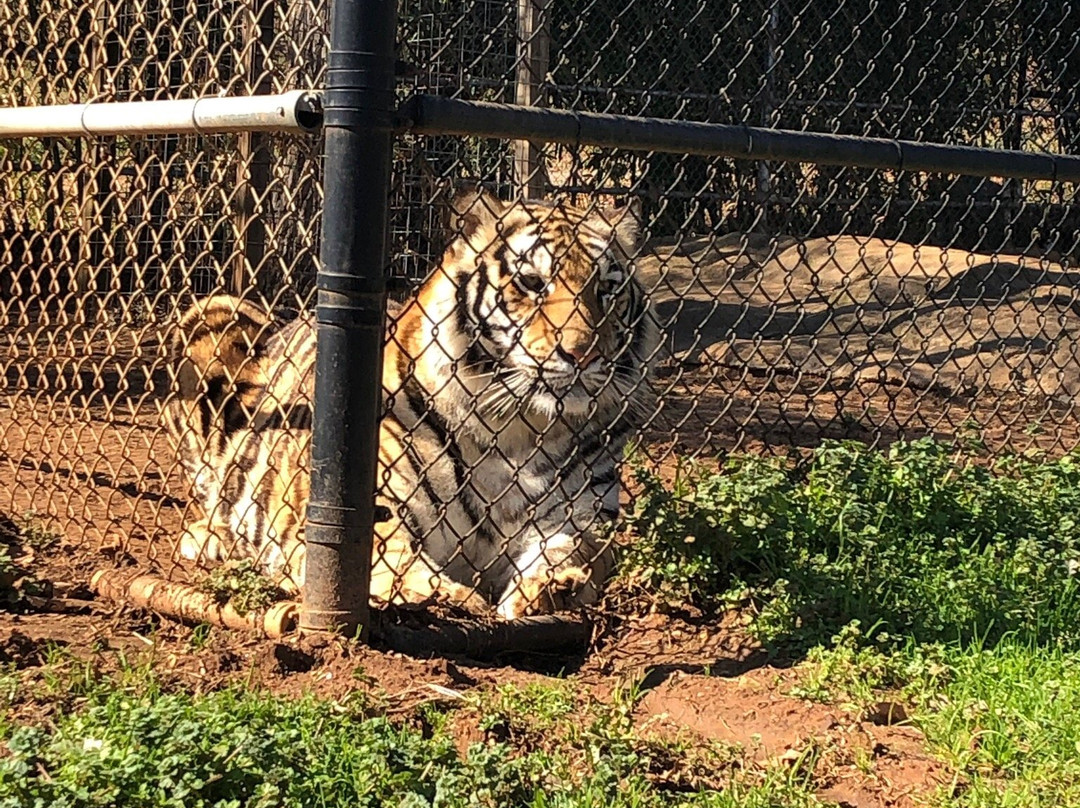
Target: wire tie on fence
x,y
749,139
195,116
82,116
899,155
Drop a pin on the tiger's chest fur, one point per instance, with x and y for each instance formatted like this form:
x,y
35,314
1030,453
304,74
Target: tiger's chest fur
x,y
507,404
491,488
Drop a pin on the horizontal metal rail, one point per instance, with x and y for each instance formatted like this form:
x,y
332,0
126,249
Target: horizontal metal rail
x,y
434,115
299,111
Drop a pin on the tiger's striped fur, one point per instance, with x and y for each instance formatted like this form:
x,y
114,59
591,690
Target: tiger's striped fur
x,y
512,381
219,357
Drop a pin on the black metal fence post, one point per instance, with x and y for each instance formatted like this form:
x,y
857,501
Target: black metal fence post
x,y
359,103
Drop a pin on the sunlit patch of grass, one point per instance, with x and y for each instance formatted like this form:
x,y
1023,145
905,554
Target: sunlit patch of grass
x,y
1009,720
127,740
917,541
1005,718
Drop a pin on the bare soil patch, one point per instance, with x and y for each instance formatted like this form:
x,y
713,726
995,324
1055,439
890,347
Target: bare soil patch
x,y
856,762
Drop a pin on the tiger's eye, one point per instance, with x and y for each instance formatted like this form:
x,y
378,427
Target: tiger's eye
x,y
533,284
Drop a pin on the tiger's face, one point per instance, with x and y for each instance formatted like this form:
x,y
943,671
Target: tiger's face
x,y
547,313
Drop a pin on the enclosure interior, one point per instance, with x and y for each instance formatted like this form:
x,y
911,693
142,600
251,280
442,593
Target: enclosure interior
x,y
798,302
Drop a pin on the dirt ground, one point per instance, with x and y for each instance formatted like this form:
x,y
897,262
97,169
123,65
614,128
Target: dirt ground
x,y
83,459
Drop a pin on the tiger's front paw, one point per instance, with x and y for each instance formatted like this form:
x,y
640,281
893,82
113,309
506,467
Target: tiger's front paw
x,y
544,590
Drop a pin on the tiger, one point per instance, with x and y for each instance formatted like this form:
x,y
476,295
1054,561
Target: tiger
x,y
513,378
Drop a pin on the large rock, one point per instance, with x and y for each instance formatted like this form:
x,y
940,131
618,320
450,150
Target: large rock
x,y
857,307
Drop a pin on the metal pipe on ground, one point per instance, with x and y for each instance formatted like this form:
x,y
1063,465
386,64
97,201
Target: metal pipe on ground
x,y
190,605
298,112
358,123
436,115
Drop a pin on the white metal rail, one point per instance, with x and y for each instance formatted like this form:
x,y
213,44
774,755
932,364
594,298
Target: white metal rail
x,y
298,111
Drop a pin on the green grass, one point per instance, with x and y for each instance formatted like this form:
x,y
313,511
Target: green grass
x,y
917,542
1005,718
912,575
1009,720
125,741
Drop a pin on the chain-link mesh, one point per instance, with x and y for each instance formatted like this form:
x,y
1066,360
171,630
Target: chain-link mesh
x,y
104,242
795,302
803,301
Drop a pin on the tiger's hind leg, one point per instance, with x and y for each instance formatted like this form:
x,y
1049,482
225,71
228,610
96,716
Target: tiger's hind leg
x,y
201,542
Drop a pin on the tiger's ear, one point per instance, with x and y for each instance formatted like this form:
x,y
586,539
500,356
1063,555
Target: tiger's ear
x,y
626,224
474,209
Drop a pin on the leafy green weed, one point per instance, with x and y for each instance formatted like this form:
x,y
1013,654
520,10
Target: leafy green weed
x,y
915,541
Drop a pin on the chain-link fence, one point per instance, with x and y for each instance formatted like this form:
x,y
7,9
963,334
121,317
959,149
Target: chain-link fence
x,y
798,301
793,301
791,311
105,240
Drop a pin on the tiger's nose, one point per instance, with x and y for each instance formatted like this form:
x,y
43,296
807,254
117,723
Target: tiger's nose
x,y
582,355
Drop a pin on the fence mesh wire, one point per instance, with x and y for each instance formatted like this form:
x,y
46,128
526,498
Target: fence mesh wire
x,y
105,241
803,301
797,302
